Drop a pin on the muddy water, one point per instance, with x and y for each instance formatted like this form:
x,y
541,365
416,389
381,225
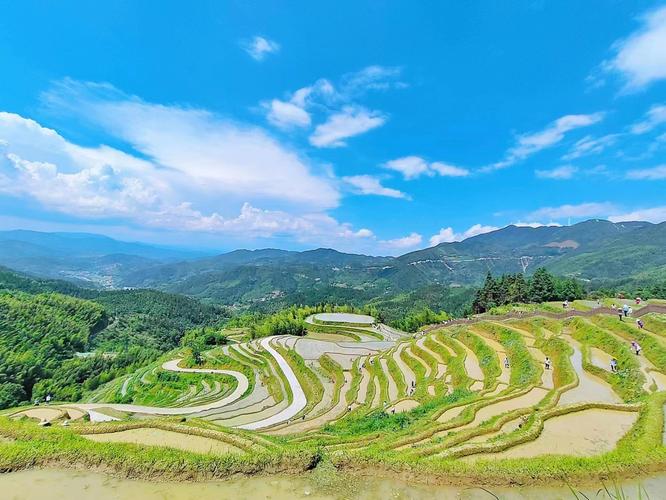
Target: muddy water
x,y
584,433
404,405
590,388
158,437
47,414
528,399
70,485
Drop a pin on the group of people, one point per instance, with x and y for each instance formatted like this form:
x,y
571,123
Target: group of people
x,y
623,312
47,400
635,347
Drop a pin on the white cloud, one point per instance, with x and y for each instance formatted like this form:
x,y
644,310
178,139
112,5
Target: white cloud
x,y
297,109
529,144
653,118
286,114
193,172
575,211
369,185
478,229
655,173
259,47
410,241
445,235
446,170
218,159
654,214
559,173
448,235
589,145
373,77
412,167
294,111
641,57
349,122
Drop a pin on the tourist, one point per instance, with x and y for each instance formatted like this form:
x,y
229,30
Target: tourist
x,y
637,348
640,324
613,365
619,314
48,398
36,401
349,408
393,411
625,310
413,384
547,363
506,362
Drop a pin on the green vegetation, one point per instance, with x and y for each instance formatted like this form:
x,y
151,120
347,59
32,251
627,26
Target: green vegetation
x,y
68,345
515,288
414,320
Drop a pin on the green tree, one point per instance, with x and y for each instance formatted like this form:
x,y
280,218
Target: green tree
x,y
542,286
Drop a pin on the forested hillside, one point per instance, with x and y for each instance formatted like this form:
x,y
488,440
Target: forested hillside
x,y
42,330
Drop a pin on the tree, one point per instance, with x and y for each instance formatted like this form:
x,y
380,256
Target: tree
x,y
11,394
542,286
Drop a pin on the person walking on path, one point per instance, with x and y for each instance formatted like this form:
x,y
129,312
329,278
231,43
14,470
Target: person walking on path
x,y
546,363
613,365
619,314
506,362
640,324
625,310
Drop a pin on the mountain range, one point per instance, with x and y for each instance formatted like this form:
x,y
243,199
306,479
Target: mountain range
x,y
595,251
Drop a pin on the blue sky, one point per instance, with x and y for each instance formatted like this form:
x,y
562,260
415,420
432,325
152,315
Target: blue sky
x,y
375,127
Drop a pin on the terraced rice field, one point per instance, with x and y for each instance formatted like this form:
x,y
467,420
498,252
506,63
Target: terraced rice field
x,y
473,392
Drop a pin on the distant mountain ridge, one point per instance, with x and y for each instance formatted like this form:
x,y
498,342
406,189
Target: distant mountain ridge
x,y
88,259
596,250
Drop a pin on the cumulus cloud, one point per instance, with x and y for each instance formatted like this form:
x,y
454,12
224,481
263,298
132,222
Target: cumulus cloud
x,y
654,214
259,47
287,114
529,144
640,59
406,242
654,173
448,235
559,173
655,116
344,116
349,122
294,111
412,167
104,183
188,170
214,155
370,185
